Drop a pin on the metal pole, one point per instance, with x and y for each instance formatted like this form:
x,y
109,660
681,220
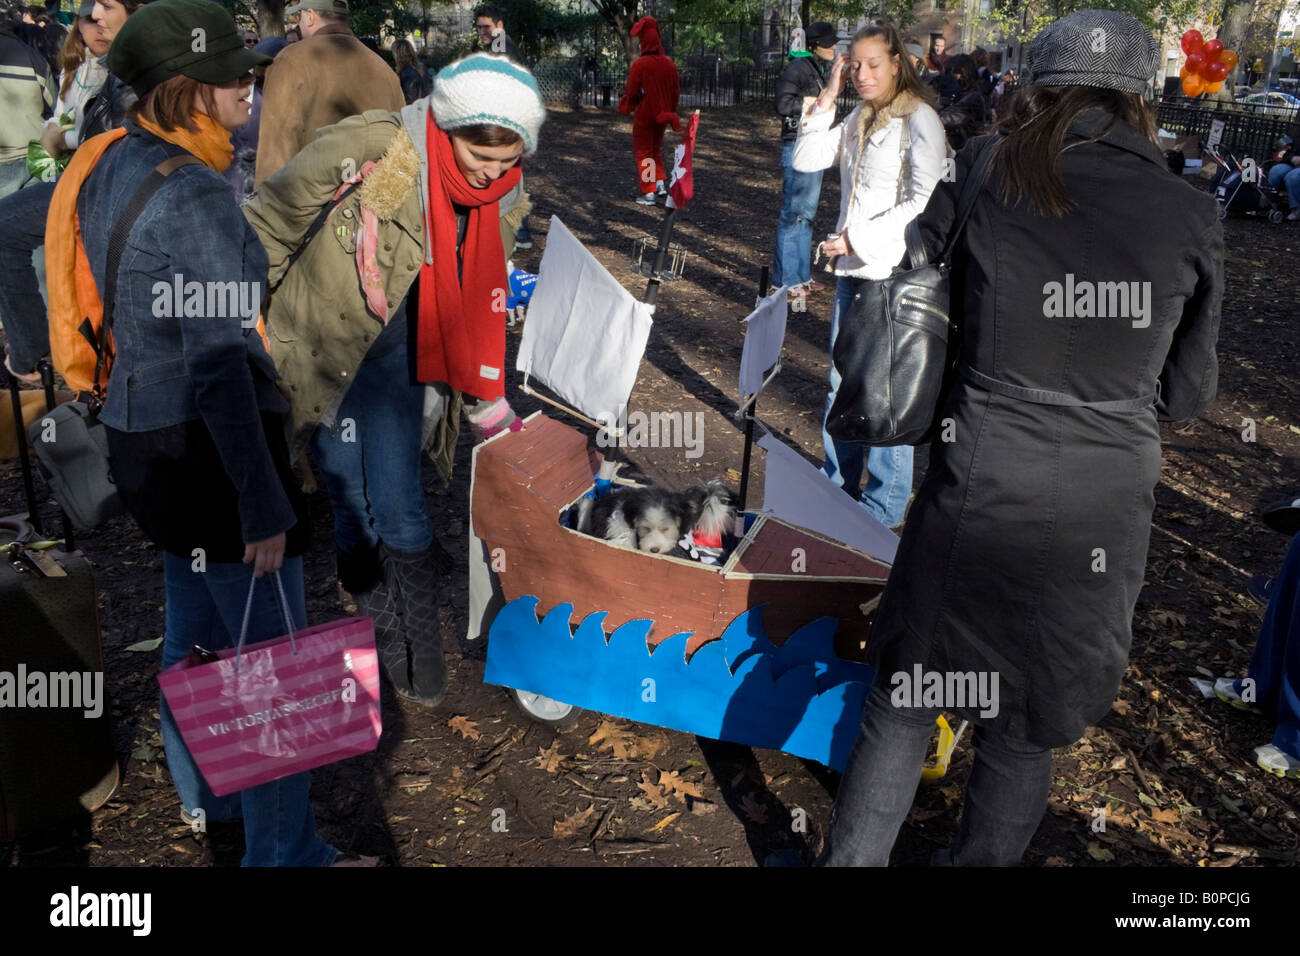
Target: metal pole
x,y
652,288
763,281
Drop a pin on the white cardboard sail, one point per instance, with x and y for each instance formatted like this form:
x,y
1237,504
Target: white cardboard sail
x,y
764,336
585,334
802,495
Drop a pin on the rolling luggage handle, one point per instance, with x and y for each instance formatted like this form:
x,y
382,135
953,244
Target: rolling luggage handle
x,y
248,611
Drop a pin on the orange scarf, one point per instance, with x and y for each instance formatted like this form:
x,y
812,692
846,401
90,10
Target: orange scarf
x,y
73,294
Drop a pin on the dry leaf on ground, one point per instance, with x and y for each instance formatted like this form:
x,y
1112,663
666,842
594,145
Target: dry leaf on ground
x,y
571,824
756,812
655,794
1100,853
663,823
551,758
455,784
613,737
672,782
467,728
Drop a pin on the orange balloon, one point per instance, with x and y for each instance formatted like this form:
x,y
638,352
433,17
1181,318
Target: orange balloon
x,y
1184,73
1214,87
1229,59
1193,85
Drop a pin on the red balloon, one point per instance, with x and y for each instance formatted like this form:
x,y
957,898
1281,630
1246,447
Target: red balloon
x,y
1216,72
1212,50
1193,41
1196,63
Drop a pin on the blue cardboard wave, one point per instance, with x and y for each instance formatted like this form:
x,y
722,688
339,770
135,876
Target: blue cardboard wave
x,y
801,697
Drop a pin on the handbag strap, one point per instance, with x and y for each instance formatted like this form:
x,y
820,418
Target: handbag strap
x,y
116,246
970,192
248,611
916,253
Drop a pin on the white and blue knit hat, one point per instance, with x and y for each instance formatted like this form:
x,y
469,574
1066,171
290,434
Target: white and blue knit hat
x,y
488,89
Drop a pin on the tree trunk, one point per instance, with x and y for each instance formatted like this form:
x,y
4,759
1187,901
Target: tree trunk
x,y
270,18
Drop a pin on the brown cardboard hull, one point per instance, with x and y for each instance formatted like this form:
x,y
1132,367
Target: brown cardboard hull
x,y
524,480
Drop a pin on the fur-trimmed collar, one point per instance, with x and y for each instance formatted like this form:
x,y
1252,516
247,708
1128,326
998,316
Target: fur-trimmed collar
x,y
392,180
904,104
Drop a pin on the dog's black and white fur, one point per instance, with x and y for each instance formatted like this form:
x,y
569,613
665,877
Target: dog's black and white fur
x,y
656,519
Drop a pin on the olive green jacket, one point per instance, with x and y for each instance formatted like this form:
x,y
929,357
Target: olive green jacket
x,y
316,318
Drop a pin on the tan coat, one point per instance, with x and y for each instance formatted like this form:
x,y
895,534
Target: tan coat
x,y
317,82
317,322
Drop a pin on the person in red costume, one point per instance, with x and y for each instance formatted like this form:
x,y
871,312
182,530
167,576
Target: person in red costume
x,y
652,93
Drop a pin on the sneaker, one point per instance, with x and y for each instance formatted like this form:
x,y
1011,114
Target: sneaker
x,y
659,188
812,285
796,292
1293,215
645,199
1261,589
1228,690
1277,761
523,239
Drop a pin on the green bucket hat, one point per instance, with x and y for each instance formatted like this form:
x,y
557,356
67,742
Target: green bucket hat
x,y
169,38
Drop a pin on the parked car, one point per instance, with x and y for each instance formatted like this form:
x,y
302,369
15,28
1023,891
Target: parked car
x,y
1273,104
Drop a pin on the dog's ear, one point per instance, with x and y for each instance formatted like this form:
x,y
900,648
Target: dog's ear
x,y
687,507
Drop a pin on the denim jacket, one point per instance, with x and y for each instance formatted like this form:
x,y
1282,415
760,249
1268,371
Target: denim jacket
x,y
186,352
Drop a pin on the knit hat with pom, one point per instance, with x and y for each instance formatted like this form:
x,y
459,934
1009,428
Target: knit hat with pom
x,y
492,90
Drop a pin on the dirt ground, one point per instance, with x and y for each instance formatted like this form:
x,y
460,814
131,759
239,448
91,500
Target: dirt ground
x,y
1174,771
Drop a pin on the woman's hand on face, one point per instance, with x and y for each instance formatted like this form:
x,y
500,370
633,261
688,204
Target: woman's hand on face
x,y
834,81
265,555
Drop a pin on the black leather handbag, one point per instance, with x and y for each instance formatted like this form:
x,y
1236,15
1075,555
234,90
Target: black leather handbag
x,y
892,350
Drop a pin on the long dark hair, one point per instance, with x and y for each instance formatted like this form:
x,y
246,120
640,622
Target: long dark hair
x,y
1037,118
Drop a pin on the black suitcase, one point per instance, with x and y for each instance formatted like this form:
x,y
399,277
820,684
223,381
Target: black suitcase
x,y
57,755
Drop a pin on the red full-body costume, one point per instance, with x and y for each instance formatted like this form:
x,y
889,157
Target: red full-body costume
x,y
652,92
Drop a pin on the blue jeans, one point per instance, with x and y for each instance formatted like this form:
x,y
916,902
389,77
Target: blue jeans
x,y
13,176
1275,665
207,607
799,195
22,310
1285,172
370,462
1006,793
889,470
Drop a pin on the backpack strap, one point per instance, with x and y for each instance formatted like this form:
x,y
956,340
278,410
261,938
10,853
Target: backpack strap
x,y
314,228
116,246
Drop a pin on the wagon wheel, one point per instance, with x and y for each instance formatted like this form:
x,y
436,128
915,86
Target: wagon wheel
x,y
1275,215
1223,212
545,710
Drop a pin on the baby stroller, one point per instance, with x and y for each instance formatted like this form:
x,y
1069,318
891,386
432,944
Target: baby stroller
x,y
1243,186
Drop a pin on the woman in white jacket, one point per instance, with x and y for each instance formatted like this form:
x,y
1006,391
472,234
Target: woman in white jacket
x,y
892,152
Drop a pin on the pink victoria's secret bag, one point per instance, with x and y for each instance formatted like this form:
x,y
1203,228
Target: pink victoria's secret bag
x,y
278,707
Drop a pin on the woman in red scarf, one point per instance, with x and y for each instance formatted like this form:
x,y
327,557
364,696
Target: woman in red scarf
x,y
423,235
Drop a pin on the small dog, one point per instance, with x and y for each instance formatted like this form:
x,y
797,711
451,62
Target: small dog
x,y
659,521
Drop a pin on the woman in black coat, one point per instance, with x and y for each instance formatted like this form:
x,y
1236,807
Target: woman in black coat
x,y
1012,594
964,111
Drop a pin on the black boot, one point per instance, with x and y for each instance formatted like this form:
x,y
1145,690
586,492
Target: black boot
x,y
363,577
416,584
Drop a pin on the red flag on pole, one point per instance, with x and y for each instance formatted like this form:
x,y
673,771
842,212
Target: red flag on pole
x,y
681,186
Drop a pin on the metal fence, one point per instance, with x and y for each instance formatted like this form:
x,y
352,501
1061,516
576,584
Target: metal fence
x,y
701,87
1246,131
